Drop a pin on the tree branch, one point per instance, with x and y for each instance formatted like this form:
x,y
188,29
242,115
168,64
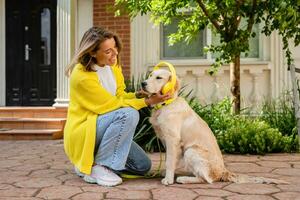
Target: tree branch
x,y
251,16
213,21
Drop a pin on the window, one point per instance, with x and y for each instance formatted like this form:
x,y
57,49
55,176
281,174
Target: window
x,y
45,39
194,50
181,50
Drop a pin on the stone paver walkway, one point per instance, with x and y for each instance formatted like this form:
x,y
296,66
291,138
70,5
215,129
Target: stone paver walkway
x,y
35,170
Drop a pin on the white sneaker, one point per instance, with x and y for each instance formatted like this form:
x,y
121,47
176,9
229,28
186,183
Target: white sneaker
x,y
102,176
78,173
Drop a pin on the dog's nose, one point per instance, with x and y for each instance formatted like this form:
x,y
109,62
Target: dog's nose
x,y
144,84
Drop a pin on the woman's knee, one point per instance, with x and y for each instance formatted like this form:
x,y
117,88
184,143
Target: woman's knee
x,y
140,168
132,115
146,166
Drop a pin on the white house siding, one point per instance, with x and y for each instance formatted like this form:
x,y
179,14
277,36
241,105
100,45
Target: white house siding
x,y
262,78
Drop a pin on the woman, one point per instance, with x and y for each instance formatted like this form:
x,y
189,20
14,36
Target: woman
x,y
102,117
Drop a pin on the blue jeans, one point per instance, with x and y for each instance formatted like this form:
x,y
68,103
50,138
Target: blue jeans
x,y
115,147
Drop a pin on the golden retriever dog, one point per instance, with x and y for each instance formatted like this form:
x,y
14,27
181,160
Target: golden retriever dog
x,y
188,140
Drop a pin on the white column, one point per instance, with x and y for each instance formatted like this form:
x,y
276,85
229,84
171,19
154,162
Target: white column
x,y
64,48
199,75
255,96
2,53
215,95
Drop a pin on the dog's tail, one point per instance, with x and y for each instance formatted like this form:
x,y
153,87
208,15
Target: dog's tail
x,y
241,178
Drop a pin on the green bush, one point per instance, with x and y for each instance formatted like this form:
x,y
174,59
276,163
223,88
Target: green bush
x,y
217,115
255,137
280,113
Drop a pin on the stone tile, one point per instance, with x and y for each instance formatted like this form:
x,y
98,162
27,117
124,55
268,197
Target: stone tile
x,y
111,199
251,188
291,179
30,167
88,195
100,189
241,158
288,172
9,163
41,169
172,193
4,186
58,165
213,192
249,197
246,168
274,164
67,177
37,161
287,195
296,165
290,187
76,181
47,173
17,192
208,198
59,192
38,183
140,184
13,179
132,194
282,157
20,198
24,157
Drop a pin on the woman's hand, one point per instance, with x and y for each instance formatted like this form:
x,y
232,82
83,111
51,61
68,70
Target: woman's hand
x,y
157,98
141,94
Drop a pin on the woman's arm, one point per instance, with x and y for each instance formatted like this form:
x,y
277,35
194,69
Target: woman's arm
x,y
91,95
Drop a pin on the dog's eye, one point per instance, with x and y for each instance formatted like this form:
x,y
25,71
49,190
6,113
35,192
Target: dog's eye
x,y
158,77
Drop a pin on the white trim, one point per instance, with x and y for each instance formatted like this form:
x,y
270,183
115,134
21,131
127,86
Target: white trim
x,y
144,45
64,43
84,18
2,54
73,19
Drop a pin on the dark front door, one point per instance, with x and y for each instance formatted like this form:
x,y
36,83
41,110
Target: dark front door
x,y
30,52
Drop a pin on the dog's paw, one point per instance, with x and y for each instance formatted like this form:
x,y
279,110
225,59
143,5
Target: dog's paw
x,y
166,181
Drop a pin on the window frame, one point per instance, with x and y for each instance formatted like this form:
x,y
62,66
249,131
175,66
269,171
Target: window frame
x,y
208,57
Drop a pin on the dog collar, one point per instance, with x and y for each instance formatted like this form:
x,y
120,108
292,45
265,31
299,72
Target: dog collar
x,y
167,102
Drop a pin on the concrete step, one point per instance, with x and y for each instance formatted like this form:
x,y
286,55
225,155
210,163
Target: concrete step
x,y
32,123
30,134
33,112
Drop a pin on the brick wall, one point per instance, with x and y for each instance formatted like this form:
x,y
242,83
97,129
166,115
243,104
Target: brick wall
x,y
119,25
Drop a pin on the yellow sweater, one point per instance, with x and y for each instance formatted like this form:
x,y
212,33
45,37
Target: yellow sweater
x,y
88,99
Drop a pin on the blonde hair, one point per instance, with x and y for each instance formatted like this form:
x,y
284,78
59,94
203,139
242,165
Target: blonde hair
x,y
89,44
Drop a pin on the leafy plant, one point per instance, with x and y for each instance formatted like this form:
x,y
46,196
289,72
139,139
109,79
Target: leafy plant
x,y
280,113
255,137
217,115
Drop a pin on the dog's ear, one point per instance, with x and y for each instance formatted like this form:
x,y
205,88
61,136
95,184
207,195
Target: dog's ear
x,y
177,85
